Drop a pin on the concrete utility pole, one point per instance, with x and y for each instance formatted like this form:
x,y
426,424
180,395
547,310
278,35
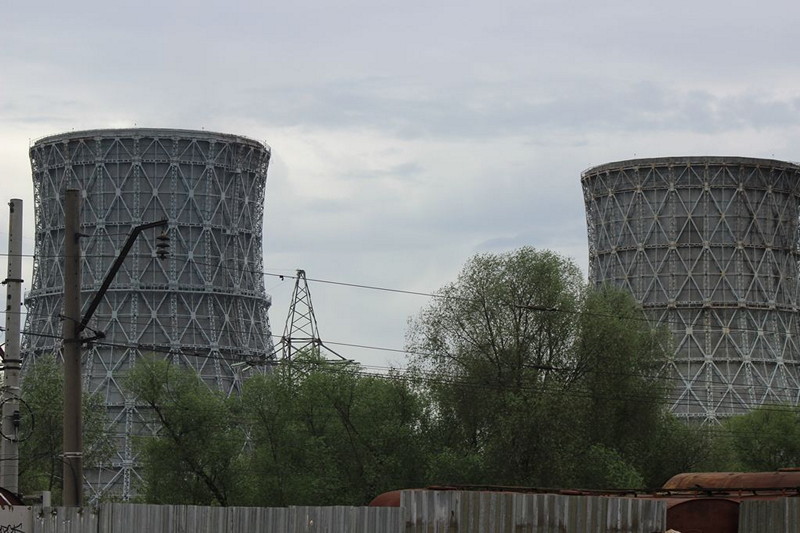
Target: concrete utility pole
x,y
73,326
9,466
73,440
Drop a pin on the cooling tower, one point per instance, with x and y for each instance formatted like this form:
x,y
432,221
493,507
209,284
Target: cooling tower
x,y
708,246
204,306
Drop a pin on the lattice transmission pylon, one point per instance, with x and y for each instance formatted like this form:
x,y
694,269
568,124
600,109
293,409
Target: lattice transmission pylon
x,y
301,333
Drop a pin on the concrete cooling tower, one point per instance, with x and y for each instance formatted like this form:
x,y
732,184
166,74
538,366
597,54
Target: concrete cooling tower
x,y
204,306
709,247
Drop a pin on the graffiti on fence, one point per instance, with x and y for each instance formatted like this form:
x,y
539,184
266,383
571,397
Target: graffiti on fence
x,y
16,520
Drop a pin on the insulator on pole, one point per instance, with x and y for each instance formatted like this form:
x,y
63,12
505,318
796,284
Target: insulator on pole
x,y
162,246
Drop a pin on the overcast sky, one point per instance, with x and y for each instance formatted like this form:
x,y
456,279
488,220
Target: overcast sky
x,y
406,136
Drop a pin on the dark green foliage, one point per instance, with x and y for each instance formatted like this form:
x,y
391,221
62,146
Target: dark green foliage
x,y
619,361
40,465
494,346
197,458
319,434
618,378
604,467
765,439
522,376
330,435
537,379
678,447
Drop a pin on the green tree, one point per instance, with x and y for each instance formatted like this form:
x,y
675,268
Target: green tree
x,y
534,377
198,455
315,433
681,446
40,465
766,438
325,433
605,468
619,361
492,347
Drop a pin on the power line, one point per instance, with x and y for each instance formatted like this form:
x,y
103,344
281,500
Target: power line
x,y
203,330
573,393
440,378
441,296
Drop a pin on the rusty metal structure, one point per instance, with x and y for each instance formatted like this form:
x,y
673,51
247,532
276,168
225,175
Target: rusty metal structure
x,y
776,480
707,502
708,246
204,306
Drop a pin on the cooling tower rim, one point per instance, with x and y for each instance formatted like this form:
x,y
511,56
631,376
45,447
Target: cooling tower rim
x,y
687,160
148,132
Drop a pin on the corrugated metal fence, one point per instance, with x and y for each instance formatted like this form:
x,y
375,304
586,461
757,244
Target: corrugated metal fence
x,y
769,516
452,511
420,512
135,518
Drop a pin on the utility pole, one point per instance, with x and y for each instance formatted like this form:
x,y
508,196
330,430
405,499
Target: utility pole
x,y
73,326
9,467
73,438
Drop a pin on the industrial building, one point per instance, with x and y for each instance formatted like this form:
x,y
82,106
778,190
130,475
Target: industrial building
x,y
709,247
203,306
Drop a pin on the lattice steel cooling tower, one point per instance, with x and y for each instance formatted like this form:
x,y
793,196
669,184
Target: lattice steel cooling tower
x,y
204,306
708,246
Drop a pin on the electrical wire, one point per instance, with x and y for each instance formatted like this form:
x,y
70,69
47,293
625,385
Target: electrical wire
x,y
443,378
206,354
238,269
143,346
700,311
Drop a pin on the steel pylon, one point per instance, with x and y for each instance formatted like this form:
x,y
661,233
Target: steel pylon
x,y
301,333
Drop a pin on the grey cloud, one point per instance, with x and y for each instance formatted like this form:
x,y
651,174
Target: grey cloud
x,y
484,112
407,171
528,93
